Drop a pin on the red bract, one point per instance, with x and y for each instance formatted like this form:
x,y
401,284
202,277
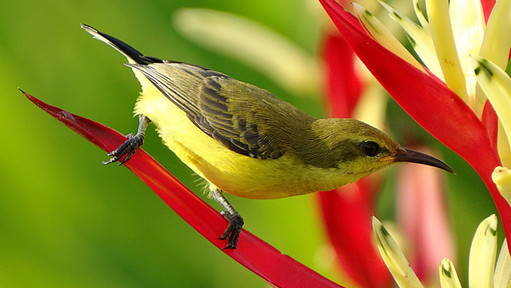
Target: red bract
x,y
346,214
342,82
487,7
426,99
347,210
277,269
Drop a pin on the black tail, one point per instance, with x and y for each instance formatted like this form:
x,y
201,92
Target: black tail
x,y
125,49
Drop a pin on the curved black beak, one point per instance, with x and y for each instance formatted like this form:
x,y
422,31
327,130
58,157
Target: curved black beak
x,y
407,155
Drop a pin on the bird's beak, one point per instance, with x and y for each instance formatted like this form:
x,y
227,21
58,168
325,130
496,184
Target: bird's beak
x,y
407,155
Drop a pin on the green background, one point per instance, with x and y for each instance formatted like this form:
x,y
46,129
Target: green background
x,y
68,221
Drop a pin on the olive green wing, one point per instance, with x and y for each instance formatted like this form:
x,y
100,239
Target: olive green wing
x,y
222,107
233,116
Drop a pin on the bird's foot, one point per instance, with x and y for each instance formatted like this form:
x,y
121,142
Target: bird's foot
x,y
233,230
127,148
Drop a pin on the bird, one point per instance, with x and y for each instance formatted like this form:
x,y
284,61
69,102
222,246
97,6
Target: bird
x,y
245,141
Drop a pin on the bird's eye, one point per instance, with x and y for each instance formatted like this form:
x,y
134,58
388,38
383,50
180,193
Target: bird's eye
x,y
370,148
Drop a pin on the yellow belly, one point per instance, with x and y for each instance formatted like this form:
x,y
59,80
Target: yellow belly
x,y
227,170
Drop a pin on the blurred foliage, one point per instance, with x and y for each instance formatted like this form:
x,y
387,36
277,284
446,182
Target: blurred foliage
x,y
68,221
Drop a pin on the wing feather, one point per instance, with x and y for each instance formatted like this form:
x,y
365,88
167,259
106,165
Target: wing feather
x,y
221,115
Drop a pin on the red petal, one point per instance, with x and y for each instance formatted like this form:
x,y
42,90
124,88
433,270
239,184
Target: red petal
x,y
343,85
277,269
487,7
347,215
491,122
428,101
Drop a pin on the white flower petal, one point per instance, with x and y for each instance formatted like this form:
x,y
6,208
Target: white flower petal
x,y
441,31
502,275
283,61
496,84
501,176
394,257
371,107
383,36
420,15
468,27
483,251
448,276
497,39
420,40
503,147
496,43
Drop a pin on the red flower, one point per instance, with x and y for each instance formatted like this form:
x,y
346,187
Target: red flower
x,y
430,102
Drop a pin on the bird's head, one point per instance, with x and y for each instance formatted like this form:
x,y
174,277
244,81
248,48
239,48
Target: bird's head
x,y
358,149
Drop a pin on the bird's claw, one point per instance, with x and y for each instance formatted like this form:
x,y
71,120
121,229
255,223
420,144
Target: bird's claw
x,y
233,230
127,148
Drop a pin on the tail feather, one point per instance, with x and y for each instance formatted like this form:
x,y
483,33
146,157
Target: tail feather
x,y
131,53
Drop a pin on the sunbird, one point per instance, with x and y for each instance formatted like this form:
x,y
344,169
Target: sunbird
x,y
245,141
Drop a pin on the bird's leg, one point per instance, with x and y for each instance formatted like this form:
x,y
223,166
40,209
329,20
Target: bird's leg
x,y
129,146
230,214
